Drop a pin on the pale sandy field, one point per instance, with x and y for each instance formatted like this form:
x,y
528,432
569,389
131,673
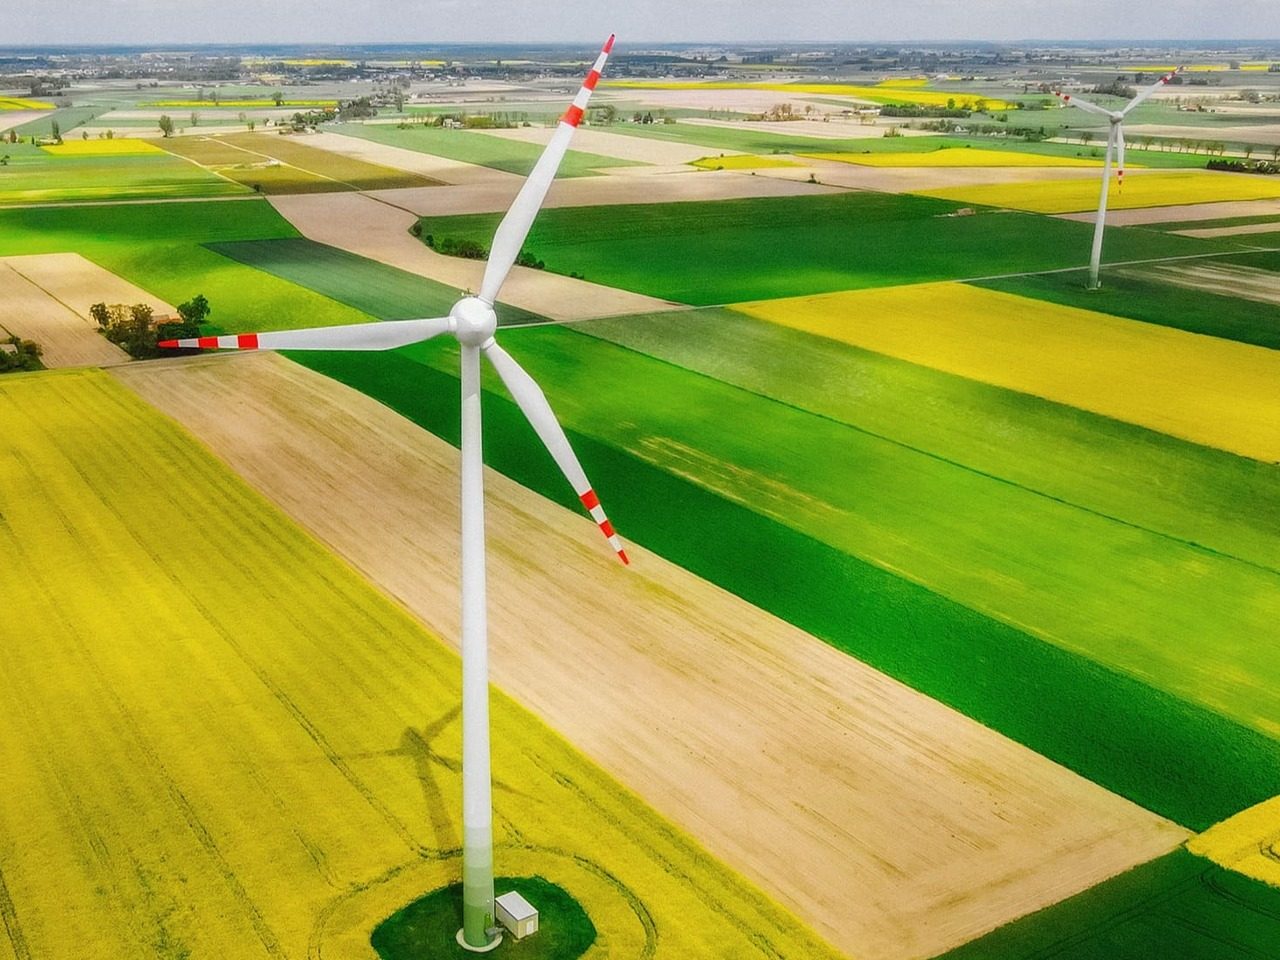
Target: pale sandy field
x,y
365,226
595,140
1228,279
1194,211
1236,231
438,168
893,825
912,179
818,129
16,118
46,298
1268,133
719,98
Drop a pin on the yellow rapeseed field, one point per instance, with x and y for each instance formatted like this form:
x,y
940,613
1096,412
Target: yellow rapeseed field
x,y
956,157
1163,188
743,161
1211,391
219,741
17,103
1248,843
117,147
873,94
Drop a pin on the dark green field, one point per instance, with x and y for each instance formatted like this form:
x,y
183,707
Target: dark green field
x,y
729,251
485,150
1178,907
372,288
1153,301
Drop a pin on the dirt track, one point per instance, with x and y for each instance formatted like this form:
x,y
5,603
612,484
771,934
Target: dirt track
x,y
893,825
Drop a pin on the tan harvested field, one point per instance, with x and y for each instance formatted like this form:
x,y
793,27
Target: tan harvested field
x,y
1268,133
438,168
16,118
819,129
621,185
80,283
1228,279
605,144
913,179
1177,214
365,226
1240,230
719,98
894,825
46,298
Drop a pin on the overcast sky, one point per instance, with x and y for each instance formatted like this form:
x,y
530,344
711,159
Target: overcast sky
x,y
637,22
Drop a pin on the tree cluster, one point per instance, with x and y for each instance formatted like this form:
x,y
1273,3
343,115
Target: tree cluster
x,y
133,330
20,355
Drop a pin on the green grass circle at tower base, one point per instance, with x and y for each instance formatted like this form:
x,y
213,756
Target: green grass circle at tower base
x,y
426,928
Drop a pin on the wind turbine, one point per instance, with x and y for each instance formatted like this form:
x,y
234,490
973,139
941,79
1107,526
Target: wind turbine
x,y
473,322
1115,147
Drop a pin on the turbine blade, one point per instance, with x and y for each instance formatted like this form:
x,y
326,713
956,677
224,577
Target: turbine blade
x,y
1144,95
1120,155
384,335
1073,101
515,225
533,403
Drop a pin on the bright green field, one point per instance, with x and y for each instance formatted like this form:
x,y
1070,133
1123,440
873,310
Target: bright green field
x,y
1151,301
31,178
1178,906
159,247
728,251
469,146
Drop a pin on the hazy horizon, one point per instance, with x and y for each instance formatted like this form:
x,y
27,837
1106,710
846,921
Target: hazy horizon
x,y
337,22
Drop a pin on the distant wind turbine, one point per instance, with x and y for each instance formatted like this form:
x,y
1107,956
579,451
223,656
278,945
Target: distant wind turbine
x,y
1115,148
473,322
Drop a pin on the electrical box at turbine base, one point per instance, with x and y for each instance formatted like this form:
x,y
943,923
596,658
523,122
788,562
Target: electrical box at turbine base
x,y
516,914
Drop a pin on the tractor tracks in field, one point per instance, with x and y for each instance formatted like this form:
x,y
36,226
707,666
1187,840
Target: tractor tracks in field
x,y
12,928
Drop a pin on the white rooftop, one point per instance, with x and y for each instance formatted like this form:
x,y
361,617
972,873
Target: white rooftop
x,y
517,906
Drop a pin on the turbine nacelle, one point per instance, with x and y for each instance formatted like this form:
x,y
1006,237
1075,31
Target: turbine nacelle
x,y
473,321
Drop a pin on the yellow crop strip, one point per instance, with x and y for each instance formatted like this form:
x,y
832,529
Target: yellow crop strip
x,y
17,103
1248,843
1214,392
118,147
956,157
1156,189
871,94
219,741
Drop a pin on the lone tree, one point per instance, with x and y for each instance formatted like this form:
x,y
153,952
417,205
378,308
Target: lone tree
x,y
194,310
166,125
278,97
55,131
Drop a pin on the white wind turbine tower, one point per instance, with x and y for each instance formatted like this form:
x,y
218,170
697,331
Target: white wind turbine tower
x,y
473,321
1115,148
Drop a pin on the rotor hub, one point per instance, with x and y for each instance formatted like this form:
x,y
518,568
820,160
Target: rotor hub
x,y
474,321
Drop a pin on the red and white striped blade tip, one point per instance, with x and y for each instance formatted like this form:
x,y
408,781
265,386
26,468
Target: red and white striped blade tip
x,y
592,503
242,341
573,115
